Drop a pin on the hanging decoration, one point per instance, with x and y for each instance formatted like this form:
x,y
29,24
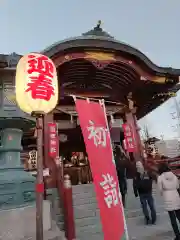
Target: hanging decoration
x,y
112,119
131,103
72,120
129,141
164,94
36,84
53,140
32,161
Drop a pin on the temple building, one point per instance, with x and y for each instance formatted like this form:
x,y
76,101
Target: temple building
x,y
93,65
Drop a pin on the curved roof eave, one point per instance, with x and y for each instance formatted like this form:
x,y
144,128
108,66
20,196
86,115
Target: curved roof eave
x,y
101,42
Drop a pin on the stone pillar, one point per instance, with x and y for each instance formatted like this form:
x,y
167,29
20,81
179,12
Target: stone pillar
x,y
16,185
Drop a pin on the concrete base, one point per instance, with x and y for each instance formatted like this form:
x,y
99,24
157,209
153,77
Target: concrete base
x,y
20,223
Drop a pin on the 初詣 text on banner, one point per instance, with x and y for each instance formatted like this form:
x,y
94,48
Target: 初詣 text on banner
x,y
93,122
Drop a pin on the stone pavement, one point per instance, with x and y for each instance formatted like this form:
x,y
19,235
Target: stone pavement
x,y
135,222
138,231
20,224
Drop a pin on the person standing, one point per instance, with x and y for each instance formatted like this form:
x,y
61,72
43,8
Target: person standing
x,y
121,173
122,183
142,185
168,185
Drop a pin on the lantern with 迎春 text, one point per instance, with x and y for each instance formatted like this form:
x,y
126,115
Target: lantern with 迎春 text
x,y
36,84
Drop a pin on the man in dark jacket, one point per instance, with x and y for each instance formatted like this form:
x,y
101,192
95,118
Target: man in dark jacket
x,y
122,183
142,185
121,173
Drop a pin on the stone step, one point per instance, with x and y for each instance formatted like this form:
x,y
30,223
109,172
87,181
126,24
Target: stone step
x,y
82,222
92,209
60,217
97,236
84,213
61,226
89,229
87,190
89,206
83,188
81,199
53,234
138,212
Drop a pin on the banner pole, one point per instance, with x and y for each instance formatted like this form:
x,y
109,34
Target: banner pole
x,y
96,100
102,103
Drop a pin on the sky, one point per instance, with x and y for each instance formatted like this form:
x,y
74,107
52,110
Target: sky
x,y
151,26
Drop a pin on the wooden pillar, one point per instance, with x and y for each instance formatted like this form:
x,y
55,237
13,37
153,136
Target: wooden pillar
x,y
48,162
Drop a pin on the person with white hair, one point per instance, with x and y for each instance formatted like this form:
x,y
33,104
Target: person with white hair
x,y
142,185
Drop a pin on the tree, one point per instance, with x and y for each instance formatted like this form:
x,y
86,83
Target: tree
x,y
145,133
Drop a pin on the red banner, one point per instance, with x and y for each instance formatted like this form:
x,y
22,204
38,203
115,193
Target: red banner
x,y
53,140
93,122
129,138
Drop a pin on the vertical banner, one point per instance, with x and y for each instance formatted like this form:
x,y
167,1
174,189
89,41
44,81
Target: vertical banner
x,y
132,121
53,140
129,140
93,122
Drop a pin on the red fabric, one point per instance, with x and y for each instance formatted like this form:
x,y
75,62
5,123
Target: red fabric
x,y
53,140
129,138
40,188
131,120
101,161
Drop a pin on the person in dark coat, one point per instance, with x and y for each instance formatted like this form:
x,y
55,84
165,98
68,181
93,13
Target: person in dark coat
x,y
122,183
142,184
121,173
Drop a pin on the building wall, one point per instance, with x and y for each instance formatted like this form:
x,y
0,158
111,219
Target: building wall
x,y
7,86
169,148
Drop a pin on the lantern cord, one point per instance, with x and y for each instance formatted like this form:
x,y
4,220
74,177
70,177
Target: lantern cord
x,y
96,99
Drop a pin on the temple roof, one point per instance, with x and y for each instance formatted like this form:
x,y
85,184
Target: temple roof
x,y
128,70
94,38
97,38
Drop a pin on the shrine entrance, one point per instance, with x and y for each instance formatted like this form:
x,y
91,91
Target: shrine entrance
x,y
72,148
97,66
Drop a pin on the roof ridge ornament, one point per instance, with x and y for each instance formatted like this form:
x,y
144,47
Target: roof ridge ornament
x,y
99,24
98,32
